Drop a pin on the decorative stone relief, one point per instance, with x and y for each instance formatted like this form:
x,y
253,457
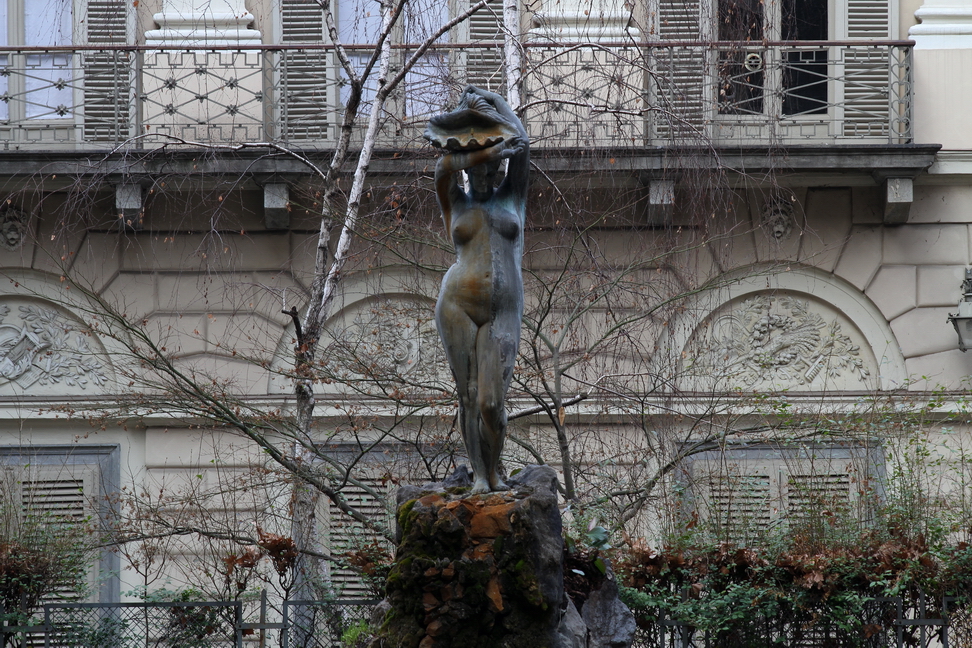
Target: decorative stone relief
x,y
777,340
40,346
13,227
778,220
387,340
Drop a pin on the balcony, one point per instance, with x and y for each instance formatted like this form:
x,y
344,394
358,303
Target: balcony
x,y
581,95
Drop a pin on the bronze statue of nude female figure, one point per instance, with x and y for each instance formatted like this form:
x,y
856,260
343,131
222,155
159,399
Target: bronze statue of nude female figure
x,y
481,302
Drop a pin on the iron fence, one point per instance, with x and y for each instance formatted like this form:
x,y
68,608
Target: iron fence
x,y
209,624
883,623
576,94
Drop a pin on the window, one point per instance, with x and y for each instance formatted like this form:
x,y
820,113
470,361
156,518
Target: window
x,y
42,89
50,93
740,493
805,71
749,86
63,489
311,79
743,71
359,22
425,90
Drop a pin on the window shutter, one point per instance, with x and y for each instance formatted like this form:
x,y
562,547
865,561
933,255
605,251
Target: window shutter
x,y
866,87
868,19
346,534
306,78
739,500
107,86
484,63
62,494
679,83
810,493
744,492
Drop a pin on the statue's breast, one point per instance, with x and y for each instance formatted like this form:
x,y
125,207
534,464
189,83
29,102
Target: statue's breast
x,y
505,223
467,225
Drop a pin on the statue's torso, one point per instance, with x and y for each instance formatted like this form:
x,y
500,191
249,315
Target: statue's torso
x,y
486,276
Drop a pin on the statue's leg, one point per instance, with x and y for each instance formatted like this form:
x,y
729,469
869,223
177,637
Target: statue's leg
x,y
458,334
496,349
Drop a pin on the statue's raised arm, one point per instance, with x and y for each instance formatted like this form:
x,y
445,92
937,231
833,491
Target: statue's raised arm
x,y
481,302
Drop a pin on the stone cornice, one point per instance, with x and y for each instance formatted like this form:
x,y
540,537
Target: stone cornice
x,y
844,165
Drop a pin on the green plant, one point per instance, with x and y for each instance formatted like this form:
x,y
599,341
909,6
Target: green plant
x,y
803,575
357,633
194,626
584,530
635,599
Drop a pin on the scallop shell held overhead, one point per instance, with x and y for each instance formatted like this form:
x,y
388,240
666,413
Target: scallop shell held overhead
x,y
467,130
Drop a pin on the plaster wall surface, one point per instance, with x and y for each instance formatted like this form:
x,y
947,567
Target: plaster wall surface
x,y
943,93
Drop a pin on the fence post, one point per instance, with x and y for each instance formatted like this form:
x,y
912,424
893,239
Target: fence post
x,y
263,618
945,619
285,632
23,621
238,607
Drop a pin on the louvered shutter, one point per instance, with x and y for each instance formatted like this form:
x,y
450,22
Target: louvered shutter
x,y
741,495
107,84
53,495
484,62
815,494
865,75
346,534
306,77
679,84
738,500
65,494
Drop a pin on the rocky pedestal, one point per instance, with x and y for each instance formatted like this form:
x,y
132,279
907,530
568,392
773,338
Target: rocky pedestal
x,y
480,571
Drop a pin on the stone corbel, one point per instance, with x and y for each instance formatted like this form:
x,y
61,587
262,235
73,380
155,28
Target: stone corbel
x,y
276,206
661,201
129,206
898,196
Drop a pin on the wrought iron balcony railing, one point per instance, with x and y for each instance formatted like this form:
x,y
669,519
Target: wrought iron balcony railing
x,y
576,94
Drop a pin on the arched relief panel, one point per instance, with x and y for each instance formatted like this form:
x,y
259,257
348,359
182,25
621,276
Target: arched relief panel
x,y
779,340
375,346
801,330
48,346
45,350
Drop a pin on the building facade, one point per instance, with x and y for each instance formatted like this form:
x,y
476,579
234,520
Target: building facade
x,y
733,204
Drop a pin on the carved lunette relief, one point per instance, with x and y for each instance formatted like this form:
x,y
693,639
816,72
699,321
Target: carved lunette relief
x,y
40,346
778,339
